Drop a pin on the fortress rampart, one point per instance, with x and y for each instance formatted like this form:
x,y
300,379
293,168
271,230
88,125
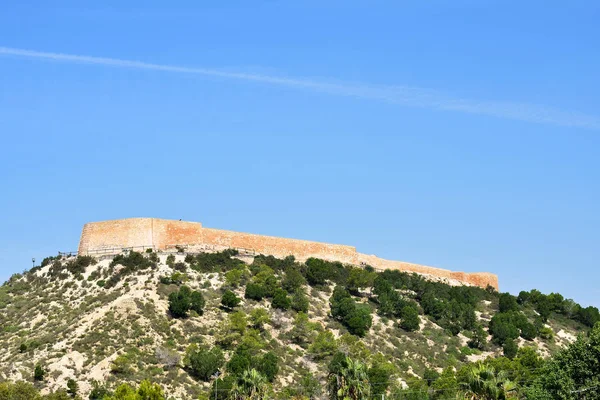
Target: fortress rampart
x,y
161,234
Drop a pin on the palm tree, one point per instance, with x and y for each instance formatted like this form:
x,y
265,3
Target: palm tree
x,y
483,382
251,385
351,382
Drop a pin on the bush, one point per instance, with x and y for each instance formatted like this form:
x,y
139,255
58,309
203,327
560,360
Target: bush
x,y
510,349
281,300
324,345
506,326
179,302
300,301
203,363
215,262
268,366
359,321
79,265
317,271
259,317
121,365
293,280
478,338
507,302
197,302
528,331
99,392
72,387
255,291
229,299
410,318
357,318
546,333
39,372
240,361
183,300
222,387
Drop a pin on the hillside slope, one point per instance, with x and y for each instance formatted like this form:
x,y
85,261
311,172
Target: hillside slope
x,y
110,320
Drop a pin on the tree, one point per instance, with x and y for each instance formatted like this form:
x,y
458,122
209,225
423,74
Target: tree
x,y
293,280
58,395
197,302
259,317
528,331
574,368
523,297
281,300
484,382
183,300
250,385
268,366
18,391
349,381
324,345
359,321
255,291
507,302
300,301
146,391
222,387
99,392
478,338
39,372
317,271
301,330
510,349
203,363
379,379
179,304
359,278
357,318
502,328
72,387
446,385
410,318
240,361
229,299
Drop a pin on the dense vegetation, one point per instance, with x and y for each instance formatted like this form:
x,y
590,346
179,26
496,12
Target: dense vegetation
x,y
261,319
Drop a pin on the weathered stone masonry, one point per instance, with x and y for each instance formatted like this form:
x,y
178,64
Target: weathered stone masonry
x,y
161,234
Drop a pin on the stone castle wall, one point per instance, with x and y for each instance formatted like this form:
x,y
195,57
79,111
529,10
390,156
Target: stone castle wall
x,y
108,236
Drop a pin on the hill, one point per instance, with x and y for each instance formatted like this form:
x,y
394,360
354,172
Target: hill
x,y
198,322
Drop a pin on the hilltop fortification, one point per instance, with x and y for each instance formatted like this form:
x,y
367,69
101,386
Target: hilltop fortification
x,y
112,236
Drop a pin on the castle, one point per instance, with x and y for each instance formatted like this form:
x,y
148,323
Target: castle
x,y
138,233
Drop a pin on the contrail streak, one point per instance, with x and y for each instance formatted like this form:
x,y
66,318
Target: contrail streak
x,y
408,96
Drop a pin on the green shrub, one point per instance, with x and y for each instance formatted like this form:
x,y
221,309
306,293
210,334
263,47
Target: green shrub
x,y
39,372
293,280
357,318
281,300
300,301
203,363
183,300
268,366
410,318
255,291
324,345
229,299
510,349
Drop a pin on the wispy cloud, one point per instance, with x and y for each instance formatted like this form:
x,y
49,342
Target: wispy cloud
x,y
402,95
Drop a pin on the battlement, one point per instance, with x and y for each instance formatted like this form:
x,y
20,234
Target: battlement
x,y
161,234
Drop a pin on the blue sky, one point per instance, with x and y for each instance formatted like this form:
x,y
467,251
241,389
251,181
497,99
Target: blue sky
x,y
463,135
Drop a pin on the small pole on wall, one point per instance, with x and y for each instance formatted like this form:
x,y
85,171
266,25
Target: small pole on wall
x,y
32,262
